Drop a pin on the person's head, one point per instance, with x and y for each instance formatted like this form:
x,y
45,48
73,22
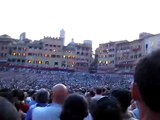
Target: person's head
x,y
92,93
42,96
20,95
7,110
124,98
75,108
15,93
8,96
107,109
99,91
146,84
31,93
59,93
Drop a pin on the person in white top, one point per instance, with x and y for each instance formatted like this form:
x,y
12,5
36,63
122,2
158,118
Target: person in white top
x,y
53,111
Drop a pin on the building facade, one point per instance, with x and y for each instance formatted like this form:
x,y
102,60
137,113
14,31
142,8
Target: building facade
x,y
83,55
106,56
125,53
48,52
5,44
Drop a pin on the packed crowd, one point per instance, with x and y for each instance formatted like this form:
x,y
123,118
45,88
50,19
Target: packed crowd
x,y
44,95
36,79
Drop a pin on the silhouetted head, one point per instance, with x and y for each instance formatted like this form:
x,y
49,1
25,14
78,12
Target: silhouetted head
x,y
7,110
42,96
146,84
99,91
107,109
75,108
124,98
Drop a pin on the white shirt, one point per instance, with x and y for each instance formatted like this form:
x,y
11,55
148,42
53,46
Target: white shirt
x,y
51,112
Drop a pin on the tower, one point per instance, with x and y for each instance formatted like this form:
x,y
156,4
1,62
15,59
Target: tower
x,y
62,34
22,36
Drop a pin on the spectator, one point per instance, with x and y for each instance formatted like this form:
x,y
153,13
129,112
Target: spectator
x,y
124,98
52,112
7,110
146,86
75,108
20,105
107,109
30,97
8,95
94,99
42,97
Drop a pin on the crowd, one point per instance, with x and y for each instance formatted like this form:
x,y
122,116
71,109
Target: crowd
x,y
35,79
50,95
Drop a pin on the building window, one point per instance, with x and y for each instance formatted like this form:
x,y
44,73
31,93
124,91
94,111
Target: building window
x,y
46,55
39,62
39,54
2,48
14,54
56,63
140,55
29,61
58,56
23,61
77,53
135,56
47,62
63,65
14,48
29,54
1,54
19,48
53,56
46,45
13,60
9,60
18,60
54,45
59,46
50,45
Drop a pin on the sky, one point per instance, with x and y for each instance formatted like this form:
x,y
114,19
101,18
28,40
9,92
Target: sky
x,y
97,20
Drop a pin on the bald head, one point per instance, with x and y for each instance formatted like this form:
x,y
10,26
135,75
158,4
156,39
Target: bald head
x,y
59,93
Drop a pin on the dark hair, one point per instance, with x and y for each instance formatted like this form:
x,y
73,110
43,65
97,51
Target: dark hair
x,y
8,96
75,108
147,78
42,96
107,109
31,93
7,110
99,91
91,93
124,98
15,93
21,95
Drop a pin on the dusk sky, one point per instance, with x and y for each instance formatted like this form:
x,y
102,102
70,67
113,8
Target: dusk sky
x,y
97,20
